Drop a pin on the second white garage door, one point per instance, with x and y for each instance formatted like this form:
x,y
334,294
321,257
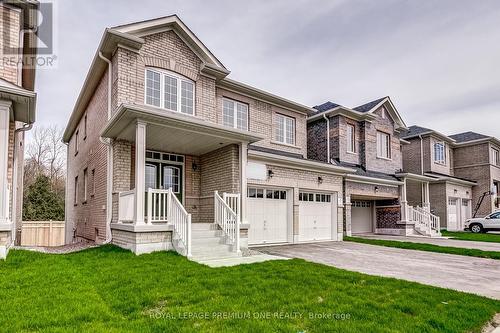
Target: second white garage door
x,y
361,217
267,215
316,221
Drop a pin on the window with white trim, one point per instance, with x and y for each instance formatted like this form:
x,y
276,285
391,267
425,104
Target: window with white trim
x,y
284,129
351,145
75,195
440,152
495,157
77,134
85,184
169,91
383,145
234,114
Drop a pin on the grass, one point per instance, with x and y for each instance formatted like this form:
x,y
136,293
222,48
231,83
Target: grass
x,y
111,290
427,247
486,237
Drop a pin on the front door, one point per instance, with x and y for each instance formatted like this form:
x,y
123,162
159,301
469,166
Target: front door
x,y
164,176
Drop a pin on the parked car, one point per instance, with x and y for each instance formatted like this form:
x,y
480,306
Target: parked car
x,y
484,224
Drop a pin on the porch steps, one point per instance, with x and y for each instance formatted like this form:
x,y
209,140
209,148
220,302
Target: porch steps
x,y
208,243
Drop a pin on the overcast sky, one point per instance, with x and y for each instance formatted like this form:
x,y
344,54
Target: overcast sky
x,y
439,61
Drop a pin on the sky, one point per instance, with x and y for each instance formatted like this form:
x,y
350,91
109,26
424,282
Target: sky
x,y
439,61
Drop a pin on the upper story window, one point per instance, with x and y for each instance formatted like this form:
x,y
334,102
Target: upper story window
x,y
85,127
351,144
75,194
235,114
169,91
440,153
383,145
495,157
284,129
85,184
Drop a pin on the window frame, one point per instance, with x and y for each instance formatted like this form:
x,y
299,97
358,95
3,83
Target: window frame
x,y
85,184
75,194
85,127
77,134
179,79
277,127
495,157
351,141
92,183
381,134
444,157
235,113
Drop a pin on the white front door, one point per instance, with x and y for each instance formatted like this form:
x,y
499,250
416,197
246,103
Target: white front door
x,y
361,217
316,221
465,214
267,215
453,215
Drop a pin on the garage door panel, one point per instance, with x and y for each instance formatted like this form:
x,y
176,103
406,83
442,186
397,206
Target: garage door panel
x,y
267,216
361,217
315,217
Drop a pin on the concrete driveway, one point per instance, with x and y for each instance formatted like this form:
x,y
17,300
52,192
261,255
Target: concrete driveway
x,y
469,274
442,241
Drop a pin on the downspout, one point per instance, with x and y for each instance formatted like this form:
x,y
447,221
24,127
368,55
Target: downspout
x,y
66,202
25,128
109,178
328,157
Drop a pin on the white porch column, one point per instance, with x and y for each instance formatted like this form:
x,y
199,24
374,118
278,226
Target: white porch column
x,y
404,203
243,175
425,197
140,166
5,109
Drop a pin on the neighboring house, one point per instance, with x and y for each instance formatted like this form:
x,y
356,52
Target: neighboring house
x,y
159,127
368,139
17,111
477,157
434,155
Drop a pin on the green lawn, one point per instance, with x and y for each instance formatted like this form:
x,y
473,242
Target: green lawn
x,y
487,237
427,247
111,290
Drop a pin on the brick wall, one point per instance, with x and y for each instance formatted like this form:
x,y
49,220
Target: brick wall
x,y
89,219
317,142
412,155
10,24
388,217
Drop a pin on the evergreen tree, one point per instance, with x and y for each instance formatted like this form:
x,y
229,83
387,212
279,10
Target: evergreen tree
x,y
41,203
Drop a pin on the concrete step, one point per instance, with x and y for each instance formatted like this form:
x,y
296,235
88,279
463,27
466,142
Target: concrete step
x,y
203,226
207,241
206,233
214,256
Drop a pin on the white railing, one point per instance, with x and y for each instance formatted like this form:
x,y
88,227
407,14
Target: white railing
x,y
227,219
181,220
233,200
157,204
428,222
126,206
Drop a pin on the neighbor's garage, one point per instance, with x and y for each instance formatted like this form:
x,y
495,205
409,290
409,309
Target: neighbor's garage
x,y
317,217
267,214
361,217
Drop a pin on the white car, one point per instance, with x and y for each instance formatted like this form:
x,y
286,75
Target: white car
x,y
484,224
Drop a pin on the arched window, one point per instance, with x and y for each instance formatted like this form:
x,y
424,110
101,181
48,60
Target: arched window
x,y
168,90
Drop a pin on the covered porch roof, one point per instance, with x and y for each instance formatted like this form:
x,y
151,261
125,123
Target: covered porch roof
x,y
173,131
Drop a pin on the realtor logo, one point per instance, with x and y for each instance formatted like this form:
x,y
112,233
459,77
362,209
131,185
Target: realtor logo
x,y
36,42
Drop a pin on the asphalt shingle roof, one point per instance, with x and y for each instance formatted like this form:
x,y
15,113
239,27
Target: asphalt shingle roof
x,y
468,136
368,106
325,106
414,131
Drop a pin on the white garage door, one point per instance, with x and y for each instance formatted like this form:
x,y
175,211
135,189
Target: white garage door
x,y
267,215
315,217
453,214
361,217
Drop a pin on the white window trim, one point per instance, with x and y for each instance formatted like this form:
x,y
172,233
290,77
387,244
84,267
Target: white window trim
x,y
85,184
440,162
494,152
351,140
77,134
284,142
179,78
389,152
235,113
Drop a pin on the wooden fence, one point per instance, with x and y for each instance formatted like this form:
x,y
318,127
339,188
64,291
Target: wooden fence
x,y
42,233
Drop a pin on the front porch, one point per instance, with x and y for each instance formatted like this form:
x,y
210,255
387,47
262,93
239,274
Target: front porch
x,y
176,177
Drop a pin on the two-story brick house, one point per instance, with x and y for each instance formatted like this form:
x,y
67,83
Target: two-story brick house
x,y
477,157
368,139
17,110
159,127
434,155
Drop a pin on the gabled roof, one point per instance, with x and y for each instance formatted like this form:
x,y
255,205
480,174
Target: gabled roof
x,y
417,131
468,136
364,111
326,106
370,105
